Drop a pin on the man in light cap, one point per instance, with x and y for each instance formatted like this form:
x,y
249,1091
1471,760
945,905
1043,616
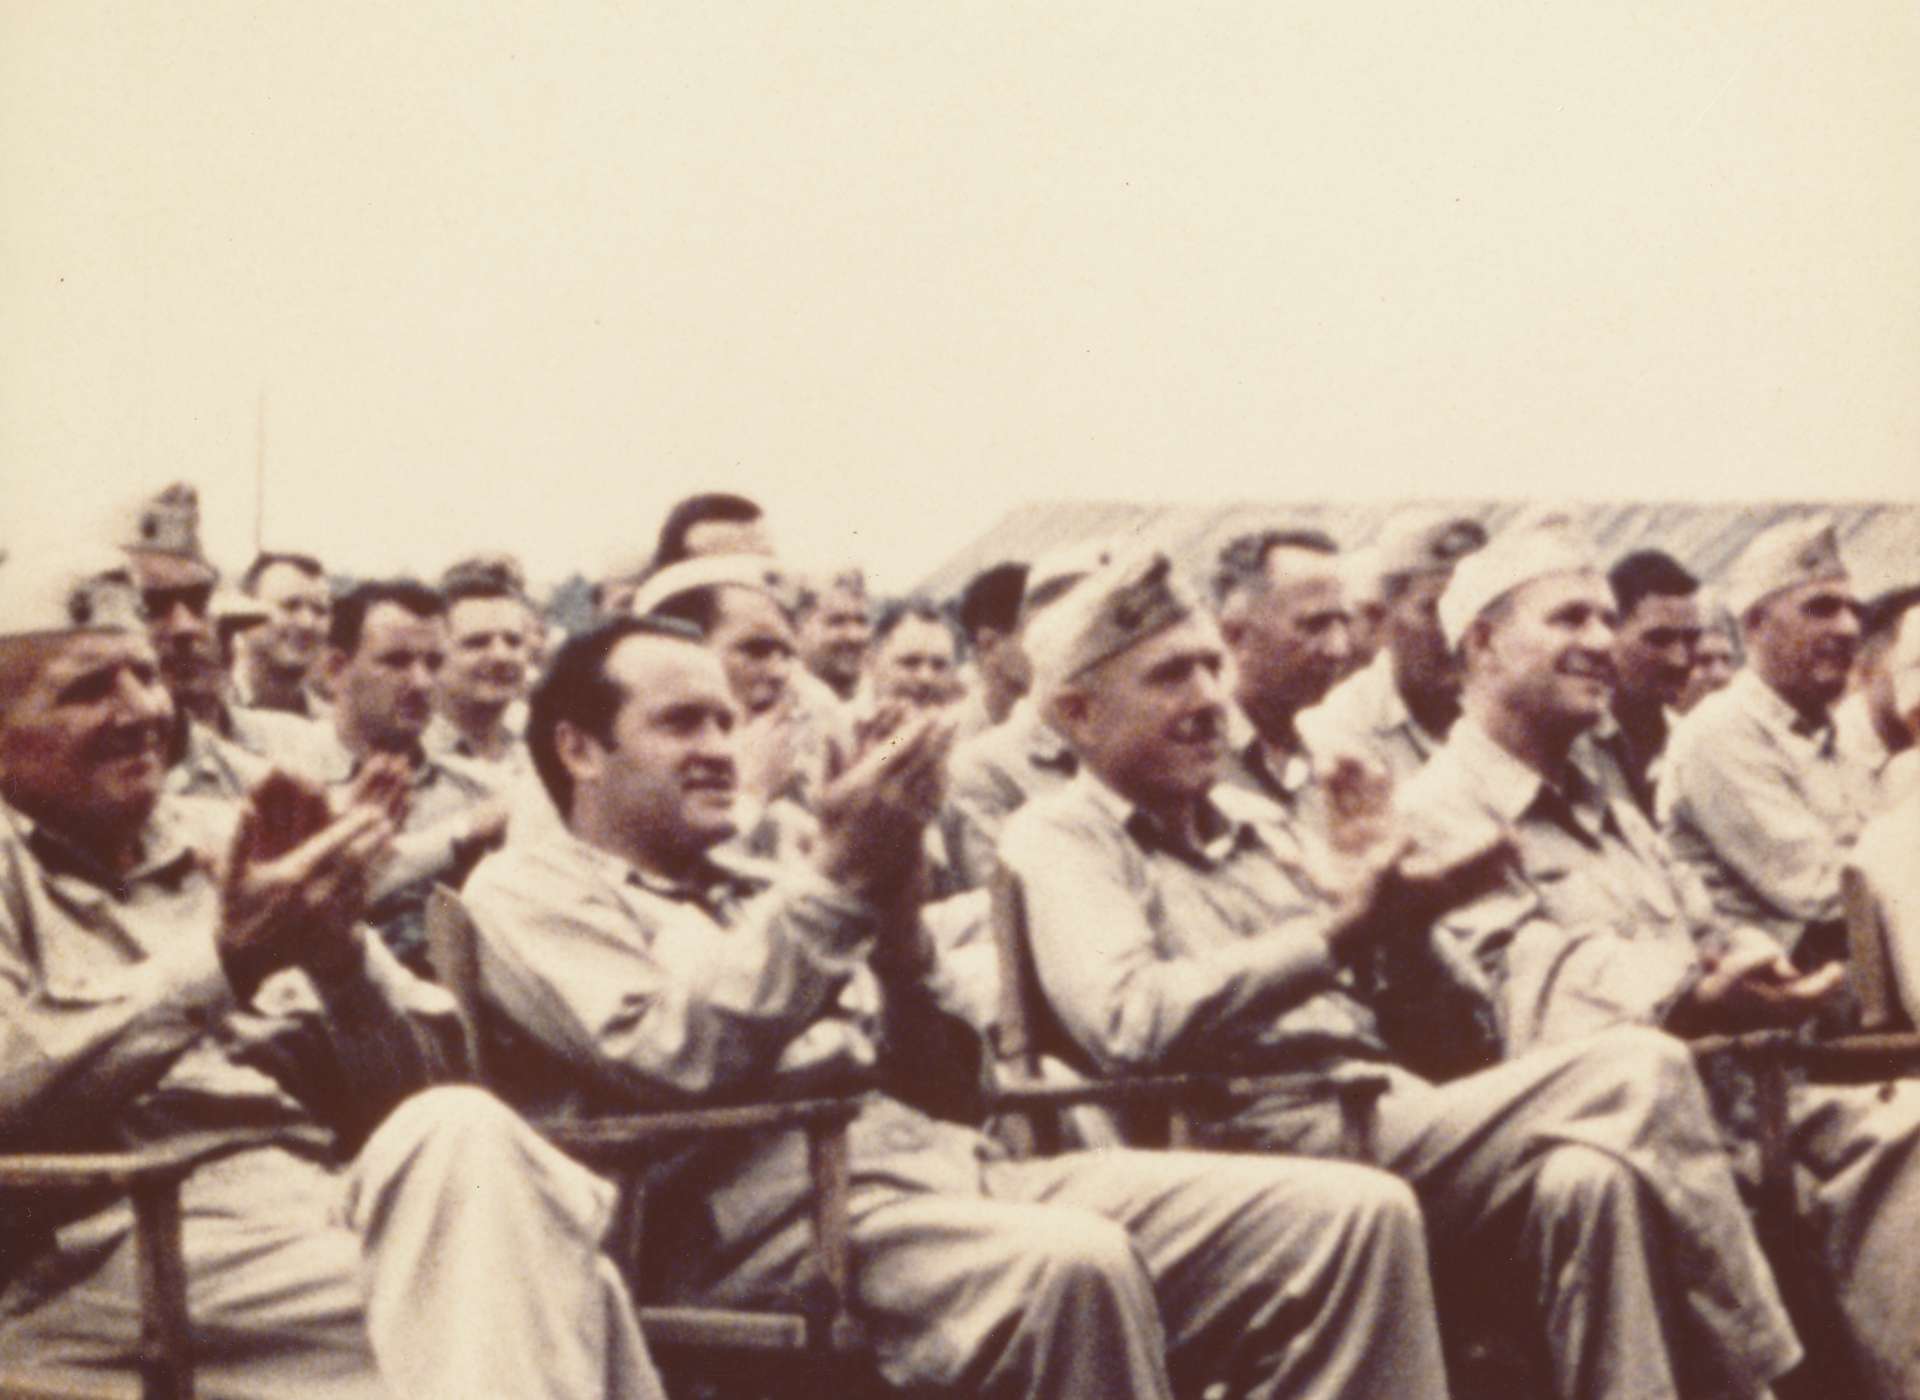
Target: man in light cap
x,y
168,975
1396,712
217,748
1596,926
1181,924
1758,796
994,774
639,956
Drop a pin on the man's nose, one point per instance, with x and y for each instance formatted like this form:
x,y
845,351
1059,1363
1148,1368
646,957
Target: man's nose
x,y
142,698
1338,645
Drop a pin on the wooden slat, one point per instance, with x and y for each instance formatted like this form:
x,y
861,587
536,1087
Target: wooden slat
x,y
724,1329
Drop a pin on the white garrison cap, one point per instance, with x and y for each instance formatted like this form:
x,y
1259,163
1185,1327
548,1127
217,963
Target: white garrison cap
x,y
45,592
1107,613
1515,557
1056,571
1423,541
1804,550
755,571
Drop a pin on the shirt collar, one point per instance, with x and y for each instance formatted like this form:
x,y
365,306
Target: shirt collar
x,y
1227,823
1765,704
169,851
721,880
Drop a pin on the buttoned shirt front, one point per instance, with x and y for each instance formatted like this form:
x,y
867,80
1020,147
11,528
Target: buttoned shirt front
x,y
1366,716
1596,924
1155,954
1763,807
118,1026
630,990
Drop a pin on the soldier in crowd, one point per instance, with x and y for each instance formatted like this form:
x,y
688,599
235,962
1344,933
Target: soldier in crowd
x,y
147,999
1597,926
385,649
1397,711
835,630
915,658
1178,923
216,749
640,959
1868,725
1280,596
1716,656
1757,796
1884,856
1653,643
489,647
996,773
277,659
990,621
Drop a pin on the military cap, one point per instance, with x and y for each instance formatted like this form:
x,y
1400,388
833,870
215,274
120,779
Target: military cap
x,y
755,571
1424,542
47,592
1802,550
167,523
1514,557
1058,570
1108,613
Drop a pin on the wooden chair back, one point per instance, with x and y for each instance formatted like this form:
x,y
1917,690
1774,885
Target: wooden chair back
x,y
453,952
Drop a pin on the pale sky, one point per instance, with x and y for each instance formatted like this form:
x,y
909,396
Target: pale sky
x,y
521,274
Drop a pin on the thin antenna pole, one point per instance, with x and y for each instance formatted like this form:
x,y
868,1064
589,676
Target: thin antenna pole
x,y
260,474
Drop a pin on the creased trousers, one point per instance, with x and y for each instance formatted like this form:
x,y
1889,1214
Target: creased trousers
x,y
1122,1274
1589,1181
457,1256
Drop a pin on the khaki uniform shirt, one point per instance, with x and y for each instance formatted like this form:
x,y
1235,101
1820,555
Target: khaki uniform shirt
x,y
1157,955
1365,716
1762,808
631,991
1597,926
991,777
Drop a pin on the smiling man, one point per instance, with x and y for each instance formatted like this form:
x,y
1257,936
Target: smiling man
x,y
385,650
278,657
640,958
1180,924
1596,926
166,976
1758,795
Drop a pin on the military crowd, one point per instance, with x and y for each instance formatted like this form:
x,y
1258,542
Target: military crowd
x,y
1491,824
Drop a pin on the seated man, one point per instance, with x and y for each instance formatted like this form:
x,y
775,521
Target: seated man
x,y
1597,926
277,659
1179,923
1659,627
990,621
385,649
1884,856
1758,797
915,659
358,1246
835,632
637,961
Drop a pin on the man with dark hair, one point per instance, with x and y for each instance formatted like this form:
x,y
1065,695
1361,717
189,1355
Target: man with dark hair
x,y
1868,724
278,657
385,649
376,1230
715,522
638,958
915,657
835,630
1756,794
1595,926
216,749
1653,641
990,620
1397,711
1178,923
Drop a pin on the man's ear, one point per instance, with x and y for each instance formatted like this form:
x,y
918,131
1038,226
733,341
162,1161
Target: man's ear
x,y
579,752
1069,711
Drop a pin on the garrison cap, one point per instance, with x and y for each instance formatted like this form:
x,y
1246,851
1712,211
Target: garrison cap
x,y
1108,613
1425,542
47,592
1058,570
755,571
167,523
1803,550
1514,558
